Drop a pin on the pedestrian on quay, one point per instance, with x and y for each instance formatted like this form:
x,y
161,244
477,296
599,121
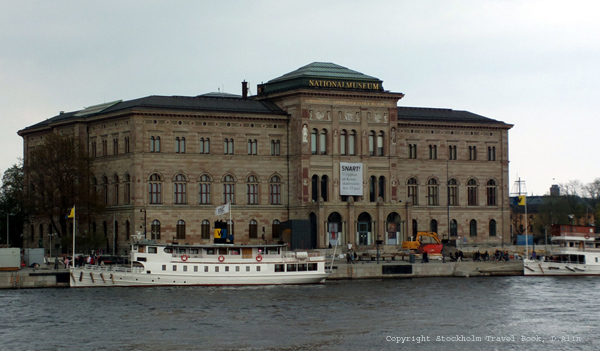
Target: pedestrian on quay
x,y
66,262
506,255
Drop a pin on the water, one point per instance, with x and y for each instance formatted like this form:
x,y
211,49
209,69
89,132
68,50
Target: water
x,y
430,313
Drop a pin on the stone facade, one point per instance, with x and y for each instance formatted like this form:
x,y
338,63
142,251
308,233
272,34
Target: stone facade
x,y
277,157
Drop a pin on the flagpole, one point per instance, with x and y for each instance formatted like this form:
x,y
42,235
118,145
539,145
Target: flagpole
x,y
526,231
73,258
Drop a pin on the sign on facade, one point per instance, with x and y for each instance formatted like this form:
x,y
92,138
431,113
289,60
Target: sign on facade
x,y
351,179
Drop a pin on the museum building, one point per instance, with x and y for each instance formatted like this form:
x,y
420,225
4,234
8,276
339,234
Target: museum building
x,y
320,156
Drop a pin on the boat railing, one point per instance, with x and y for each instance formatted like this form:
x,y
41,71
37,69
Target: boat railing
x,y
113,268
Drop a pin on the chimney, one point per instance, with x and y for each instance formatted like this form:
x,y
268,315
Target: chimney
x,y
244,89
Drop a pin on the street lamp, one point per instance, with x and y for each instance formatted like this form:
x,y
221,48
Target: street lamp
x,y
7,226
51,235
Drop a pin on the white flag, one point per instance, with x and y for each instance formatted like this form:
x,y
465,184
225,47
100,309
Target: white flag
x,y
221,210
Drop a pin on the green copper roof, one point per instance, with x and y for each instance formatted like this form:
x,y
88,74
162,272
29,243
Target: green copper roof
x,y
324,70
322,75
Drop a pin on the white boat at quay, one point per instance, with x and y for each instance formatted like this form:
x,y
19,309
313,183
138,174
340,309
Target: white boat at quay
x,y
217,264
575,253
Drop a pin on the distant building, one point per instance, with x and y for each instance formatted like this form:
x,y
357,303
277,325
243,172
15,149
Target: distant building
x,y
320,156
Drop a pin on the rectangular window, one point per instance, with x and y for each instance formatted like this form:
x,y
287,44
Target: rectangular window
x,y
164,267
195,268
174,268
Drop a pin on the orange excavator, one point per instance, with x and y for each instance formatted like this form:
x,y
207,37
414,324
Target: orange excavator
x,y
424,242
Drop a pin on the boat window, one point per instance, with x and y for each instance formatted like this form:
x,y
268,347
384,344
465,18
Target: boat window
x,y
234,251
312,266
206,268
302,267
291,267
141,249
279,268
164,267
174,268
273,251
247,268
210,251
168,250
216,268
222,251
258,268
226,268
152,250
195,268
185,268
194,251
237,268
181,251
596,259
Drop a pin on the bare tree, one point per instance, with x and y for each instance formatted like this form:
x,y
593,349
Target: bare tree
x,y
58,176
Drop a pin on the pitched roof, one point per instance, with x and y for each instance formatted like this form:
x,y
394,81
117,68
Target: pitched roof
x,y
209,103
324,70
422,114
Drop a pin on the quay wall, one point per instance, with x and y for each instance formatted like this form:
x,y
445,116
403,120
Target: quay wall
x,y
401,269
29,278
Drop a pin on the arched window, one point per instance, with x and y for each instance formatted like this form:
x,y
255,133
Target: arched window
x,y
181,229
412,151
315,188
433,226
155,187
432,152
252,146
372,143
453,228
412,191
492,227
115,190
472,192
105,189
228,146
127,189
452,192
154,144
473,227
343,140
313,141
324,188
491,192
275,190
432,192
252,190
491,153
381,188
380,139
372,189
204,190
180,144
205,230
180,188
352,143
275,147
253,229
228,190
205,145
155,229
323,142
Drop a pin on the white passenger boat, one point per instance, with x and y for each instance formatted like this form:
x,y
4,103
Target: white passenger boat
x,y
575,253
219,264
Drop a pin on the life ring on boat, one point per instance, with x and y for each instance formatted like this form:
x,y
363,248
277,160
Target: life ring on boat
x,y
221,258
258,258
184,258
587,236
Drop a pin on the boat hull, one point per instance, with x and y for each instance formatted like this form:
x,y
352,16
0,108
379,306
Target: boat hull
x,y
540,268
100,277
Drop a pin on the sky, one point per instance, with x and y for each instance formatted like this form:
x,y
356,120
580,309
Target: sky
x,y
533,64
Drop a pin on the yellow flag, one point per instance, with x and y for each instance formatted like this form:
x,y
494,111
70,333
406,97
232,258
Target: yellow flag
x,y
522,200
72,214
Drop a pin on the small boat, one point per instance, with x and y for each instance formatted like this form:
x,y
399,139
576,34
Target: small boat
x,y
576,253
155,264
